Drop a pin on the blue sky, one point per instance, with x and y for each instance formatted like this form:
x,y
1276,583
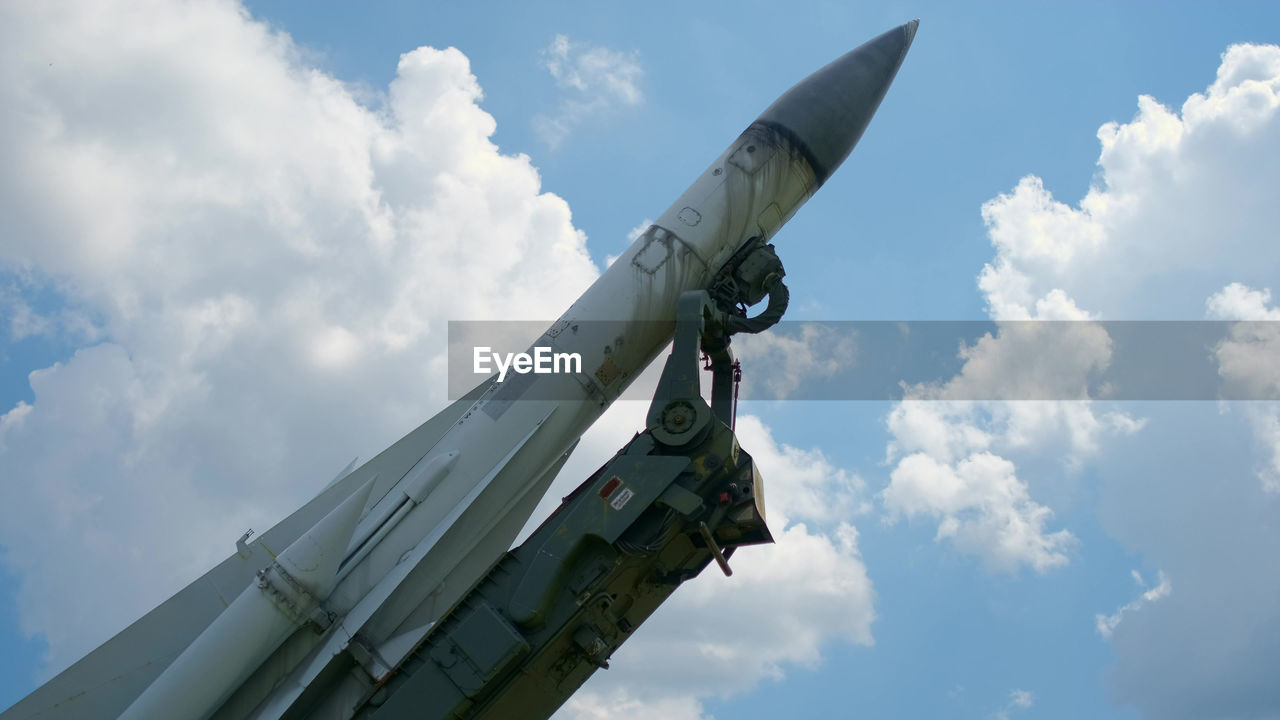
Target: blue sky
x,y
146,294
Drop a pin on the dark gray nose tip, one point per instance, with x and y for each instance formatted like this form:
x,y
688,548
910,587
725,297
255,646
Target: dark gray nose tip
x,y
828,111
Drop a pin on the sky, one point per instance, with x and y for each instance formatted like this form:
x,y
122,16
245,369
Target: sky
x,y
232,235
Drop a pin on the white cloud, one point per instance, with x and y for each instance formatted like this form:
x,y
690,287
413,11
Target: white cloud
x,y
801,485
269,265
1182,209
1247,364
982,507
1180,200
25,321
1106,624
1239,302
594,81
587,67
1018,700
1265,421
620,703
781,360
950,451
937,429
1021,698
634,233
12,420
1031,231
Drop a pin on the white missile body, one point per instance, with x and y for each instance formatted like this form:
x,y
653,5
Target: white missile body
x,y
446,501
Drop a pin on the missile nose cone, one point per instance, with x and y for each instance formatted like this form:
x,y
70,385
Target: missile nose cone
x,y
828,111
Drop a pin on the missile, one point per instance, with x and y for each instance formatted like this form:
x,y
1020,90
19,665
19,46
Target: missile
x,y
440,506
518,429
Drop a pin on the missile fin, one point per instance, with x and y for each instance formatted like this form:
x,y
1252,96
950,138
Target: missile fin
x,y
313,559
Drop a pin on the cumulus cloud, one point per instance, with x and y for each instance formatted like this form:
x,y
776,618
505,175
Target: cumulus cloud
x,y
1181,210
950,455
1247,364
1240,302
981,506
789,355
593,81
268,264
12,421
1027,361
1179,200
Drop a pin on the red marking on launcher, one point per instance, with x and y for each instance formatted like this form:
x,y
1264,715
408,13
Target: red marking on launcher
x,y
610,486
